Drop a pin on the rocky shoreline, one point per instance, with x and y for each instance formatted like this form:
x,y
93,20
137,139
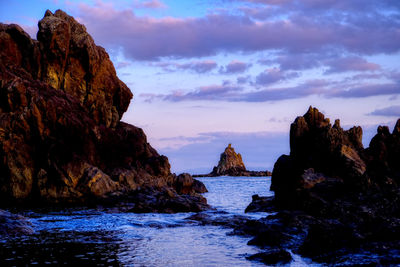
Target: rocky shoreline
x,y
333,199
231,164
62,141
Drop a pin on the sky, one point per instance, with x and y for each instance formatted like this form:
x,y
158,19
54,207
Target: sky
x,y
208,73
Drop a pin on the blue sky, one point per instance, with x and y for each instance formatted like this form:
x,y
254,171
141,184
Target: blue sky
x,y
208,73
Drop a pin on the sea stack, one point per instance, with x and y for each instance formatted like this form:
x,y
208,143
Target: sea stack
x,y
230,163
61,135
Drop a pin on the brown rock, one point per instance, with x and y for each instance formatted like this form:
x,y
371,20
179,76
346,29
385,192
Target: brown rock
x,y
61,139
230,163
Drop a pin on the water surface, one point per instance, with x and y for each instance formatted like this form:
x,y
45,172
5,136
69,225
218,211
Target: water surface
x,y
109,237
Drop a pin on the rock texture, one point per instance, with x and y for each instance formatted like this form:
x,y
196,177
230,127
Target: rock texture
x,y
334,198
231,164
61,138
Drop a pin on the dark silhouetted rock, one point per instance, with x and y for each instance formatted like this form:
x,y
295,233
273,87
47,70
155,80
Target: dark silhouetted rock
x,y
61,138
333,197
272,257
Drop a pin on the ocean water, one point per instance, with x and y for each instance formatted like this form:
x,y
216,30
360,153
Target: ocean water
x,y
111,238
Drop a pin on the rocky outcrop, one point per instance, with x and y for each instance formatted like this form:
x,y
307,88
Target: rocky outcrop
x,y
61,138
231,164
334,198
12,224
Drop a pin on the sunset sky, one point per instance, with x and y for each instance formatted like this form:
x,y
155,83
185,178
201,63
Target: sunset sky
x,y
208,73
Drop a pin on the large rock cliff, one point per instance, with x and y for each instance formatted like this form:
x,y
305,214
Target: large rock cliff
x,y
335,200
61,138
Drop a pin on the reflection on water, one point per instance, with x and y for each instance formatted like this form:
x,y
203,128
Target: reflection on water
x,y
89,236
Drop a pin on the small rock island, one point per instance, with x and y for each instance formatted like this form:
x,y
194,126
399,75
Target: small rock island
x,y
231,164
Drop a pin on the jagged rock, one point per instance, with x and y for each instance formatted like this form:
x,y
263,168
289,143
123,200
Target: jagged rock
x,y
231,164
61,138
333,197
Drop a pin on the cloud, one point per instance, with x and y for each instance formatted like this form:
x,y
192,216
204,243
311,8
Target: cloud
x,y
151,4
243,79
122,64
147,38
324,88
350,64
195,66
270,76
234,67
366,90
212,92
392,111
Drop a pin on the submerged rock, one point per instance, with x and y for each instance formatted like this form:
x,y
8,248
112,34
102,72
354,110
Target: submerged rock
x,y
11,224
231,164
61,138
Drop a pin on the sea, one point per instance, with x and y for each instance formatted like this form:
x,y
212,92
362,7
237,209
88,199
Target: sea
x,y
109,237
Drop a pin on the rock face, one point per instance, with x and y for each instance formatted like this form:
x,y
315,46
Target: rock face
x,y
61,138
231,164
333,197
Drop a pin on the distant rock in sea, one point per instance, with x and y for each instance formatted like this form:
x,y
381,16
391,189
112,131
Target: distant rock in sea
x,y
61,138
334,198
231,164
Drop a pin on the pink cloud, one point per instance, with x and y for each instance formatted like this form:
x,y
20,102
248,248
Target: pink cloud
x,y
146,38
235,66
350,64
273,75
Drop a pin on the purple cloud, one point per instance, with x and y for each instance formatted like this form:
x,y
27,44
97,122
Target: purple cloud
x,y
234,67
366,90
195,66
392,111
151,4
324,88
212,92
350,64
270,76
146,38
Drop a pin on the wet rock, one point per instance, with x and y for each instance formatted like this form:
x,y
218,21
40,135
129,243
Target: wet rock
x,y
261,204
11,224
272,257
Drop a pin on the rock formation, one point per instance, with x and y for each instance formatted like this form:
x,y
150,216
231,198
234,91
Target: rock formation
x,y
231,164
61,138
334,198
